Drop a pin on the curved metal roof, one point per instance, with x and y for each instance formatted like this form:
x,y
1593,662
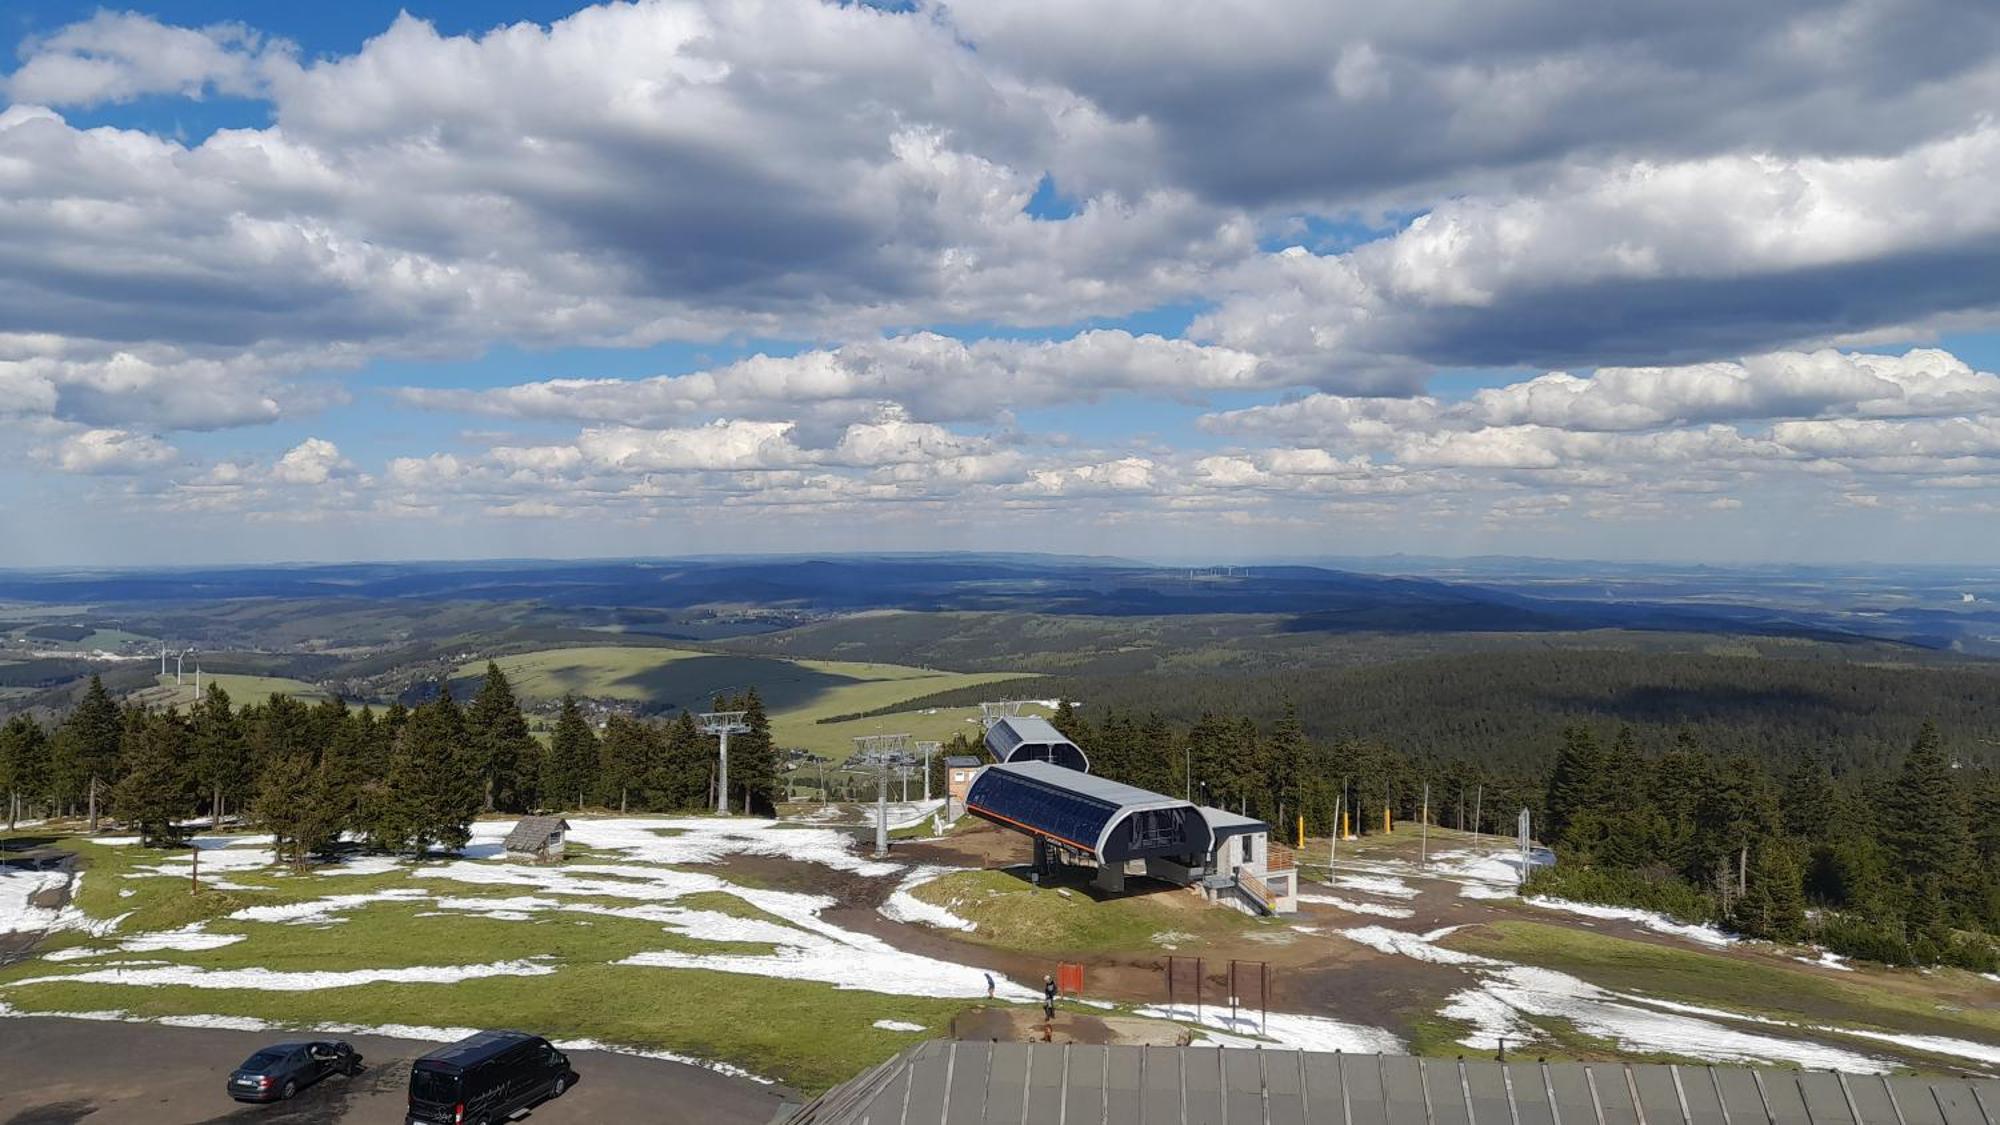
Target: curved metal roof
x,y
948,1083
1026,737
1077,809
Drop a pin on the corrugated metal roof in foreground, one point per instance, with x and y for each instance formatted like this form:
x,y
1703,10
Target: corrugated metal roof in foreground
x,y
950,1083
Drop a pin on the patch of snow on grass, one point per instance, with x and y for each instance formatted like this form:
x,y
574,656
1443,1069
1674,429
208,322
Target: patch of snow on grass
x,y
1934,1044
1305,1033
1420,947
1658,923
268,980
17,887
1492,1019
1499,868
866,964
899,1025
1353,907
192,937
322,911
902,906
1483,891
705,840
1607,1015
1384,886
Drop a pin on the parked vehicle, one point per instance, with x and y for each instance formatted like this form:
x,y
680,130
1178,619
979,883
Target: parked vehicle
x,y
283,1069
483,1079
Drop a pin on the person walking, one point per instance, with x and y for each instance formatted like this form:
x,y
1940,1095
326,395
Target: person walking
x,y
1049,998
989,986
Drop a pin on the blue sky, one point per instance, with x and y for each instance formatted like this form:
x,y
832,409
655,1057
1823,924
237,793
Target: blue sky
x,y
332,281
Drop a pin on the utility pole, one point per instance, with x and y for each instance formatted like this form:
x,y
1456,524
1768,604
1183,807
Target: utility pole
x,y
1424,845
882,811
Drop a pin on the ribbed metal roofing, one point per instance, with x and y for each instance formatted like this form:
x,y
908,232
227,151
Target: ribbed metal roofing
x,y
1110,820
949,1083
1114,793
1028,738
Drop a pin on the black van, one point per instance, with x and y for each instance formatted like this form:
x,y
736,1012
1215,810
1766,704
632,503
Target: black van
x,y
483,1079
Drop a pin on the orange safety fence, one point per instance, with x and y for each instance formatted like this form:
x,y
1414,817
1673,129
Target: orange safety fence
x,y
1069,978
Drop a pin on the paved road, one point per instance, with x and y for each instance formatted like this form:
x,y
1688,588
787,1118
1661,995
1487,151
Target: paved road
x,y
61,1072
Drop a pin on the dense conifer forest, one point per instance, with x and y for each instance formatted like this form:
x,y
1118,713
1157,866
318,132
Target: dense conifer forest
x,y
406,779
1896,861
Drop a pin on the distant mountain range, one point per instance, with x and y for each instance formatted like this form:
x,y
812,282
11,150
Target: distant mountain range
x,y
1310,598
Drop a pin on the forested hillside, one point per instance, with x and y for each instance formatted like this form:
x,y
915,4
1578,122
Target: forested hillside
x,y
1898,862
1504,709
403,780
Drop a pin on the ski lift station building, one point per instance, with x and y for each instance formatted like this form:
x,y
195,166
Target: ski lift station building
x,y
1074,816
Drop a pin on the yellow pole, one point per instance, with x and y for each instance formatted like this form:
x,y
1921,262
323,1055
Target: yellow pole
x,y
1302,830
1385,818
1343,824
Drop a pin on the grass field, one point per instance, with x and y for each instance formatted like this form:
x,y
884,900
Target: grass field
x,y
244,691
1884,999
797,694
1011,913
805,1033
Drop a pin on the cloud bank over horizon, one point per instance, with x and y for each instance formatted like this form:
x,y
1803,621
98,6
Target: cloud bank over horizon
x,y
1532,276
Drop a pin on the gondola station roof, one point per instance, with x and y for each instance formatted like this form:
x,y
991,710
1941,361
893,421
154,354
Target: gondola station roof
x,y
946,1083
1106,819
1025,738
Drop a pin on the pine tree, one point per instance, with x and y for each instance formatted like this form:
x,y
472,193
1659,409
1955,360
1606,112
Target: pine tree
x,y
1773,906
497,736
1927,823
221,752
570,772
434,782
157,789
753,758
1065,720
1579,784
627,751
283,802
24,765
679,775
86,750
1810,800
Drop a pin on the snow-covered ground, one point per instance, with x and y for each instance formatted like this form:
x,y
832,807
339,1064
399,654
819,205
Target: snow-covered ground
x,y
1659,923
1287,1029
902,906
1353,907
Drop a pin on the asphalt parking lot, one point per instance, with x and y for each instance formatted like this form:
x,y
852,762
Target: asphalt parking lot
x,y
58,1071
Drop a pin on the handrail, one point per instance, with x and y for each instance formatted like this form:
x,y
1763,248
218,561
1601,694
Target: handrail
x,y
1250,882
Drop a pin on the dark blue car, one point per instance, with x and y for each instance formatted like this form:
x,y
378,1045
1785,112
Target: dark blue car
x,y
283,1069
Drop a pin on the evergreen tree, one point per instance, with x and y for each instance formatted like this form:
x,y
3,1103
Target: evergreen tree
x,y
497,736
1927,823
280,734
753,757
1773,906
434,781
678,778
1579,784
1065,720
1810,798
24,765
86,751
157,788
221,752
570,772
628,752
